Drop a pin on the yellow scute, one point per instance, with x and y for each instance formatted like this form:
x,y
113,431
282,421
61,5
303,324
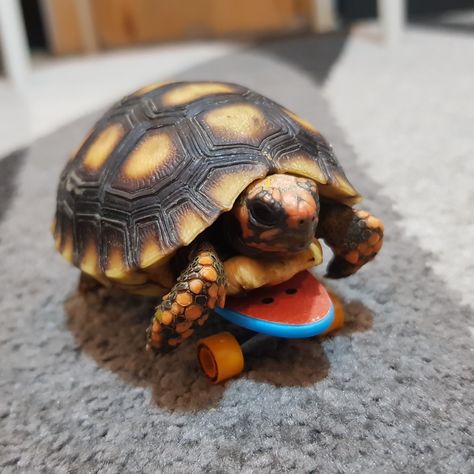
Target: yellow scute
x,y
345,187
302,165
346,194
190,225
186,93
303,122
227,187
237,121
102,146
149,155
115,265
90,259
148,88
67,250
150,254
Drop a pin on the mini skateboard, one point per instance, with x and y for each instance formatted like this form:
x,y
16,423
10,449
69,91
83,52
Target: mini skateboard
x,y
298,308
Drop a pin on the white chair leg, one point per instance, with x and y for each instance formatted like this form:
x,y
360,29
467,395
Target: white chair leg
x,y
14,44
324,18
391,15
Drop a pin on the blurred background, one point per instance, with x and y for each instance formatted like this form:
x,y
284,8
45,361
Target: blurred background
x,y
63,58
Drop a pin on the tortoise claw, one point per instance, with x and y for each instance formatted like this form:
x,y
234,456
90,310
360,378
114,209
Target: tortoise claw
x,y
338,267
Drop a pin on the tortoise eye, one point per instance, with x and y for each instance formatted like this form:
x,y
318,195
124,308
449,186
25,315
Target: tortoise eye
x,y
262,214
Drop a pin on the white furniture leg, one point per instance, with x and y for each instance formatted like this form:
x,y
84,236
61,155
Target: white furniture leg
x,y
13,43
324,18
391,15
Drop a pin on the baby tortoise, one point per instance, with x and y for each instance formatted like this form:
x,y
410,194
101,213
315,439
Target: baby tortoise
x,y
195,190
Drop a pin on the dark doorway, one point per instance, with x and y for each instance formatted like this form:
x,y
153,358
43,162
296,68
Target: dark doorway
x,y
350,10
35,28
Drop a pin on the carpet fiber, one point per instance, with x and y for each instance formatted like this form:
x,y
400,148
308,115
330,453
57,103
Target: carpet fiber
x,y
391,392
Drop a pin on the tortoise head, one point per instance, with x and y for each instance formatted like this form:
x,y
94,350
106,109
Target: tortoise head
x,y
277,215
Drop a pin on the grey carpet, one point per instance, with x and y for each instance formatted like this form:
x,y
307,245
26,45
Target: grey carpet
x,y
9,168
391,392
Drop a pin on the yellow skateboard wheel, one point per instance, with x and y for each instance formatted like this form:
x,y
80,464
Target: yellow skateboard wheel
x,y
220,357
338,314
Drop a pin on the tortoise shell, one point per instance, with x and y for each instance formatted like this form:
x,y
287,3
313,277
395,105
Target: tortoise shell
x,y
161,165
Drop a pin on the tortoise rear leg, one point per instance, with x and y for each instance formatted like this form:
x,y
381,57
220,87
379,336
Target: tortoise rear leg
x,y
88,283
354,236
200,287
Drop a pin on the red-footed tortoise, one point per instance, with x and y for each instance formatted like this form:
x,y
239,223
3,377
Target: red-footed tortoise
x,y
195,190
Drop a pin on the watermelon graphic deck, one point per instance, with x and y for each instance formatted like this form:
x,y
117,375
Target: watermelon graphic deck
x,y
298,308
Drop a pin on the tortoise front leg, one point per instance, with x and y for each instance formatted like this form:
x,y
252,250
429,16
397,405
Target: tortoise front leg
x,y
354,236
200,287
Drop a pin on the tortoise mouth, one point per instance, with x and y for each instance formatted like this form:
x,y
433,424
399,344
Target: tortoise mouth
x,y
271,250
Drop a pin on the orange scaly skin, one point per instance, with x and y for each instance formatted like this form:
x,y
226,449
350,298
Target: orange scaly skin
x,y
355,237
199,289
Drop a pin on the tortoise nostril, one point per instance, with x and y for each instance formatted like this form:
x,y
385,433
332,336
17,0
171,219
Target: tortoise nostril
x,y
267,300
301,221
291,291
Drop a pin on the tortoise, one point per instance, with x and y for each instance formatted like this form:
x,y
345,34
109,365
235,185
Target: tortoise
x,y
192,191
